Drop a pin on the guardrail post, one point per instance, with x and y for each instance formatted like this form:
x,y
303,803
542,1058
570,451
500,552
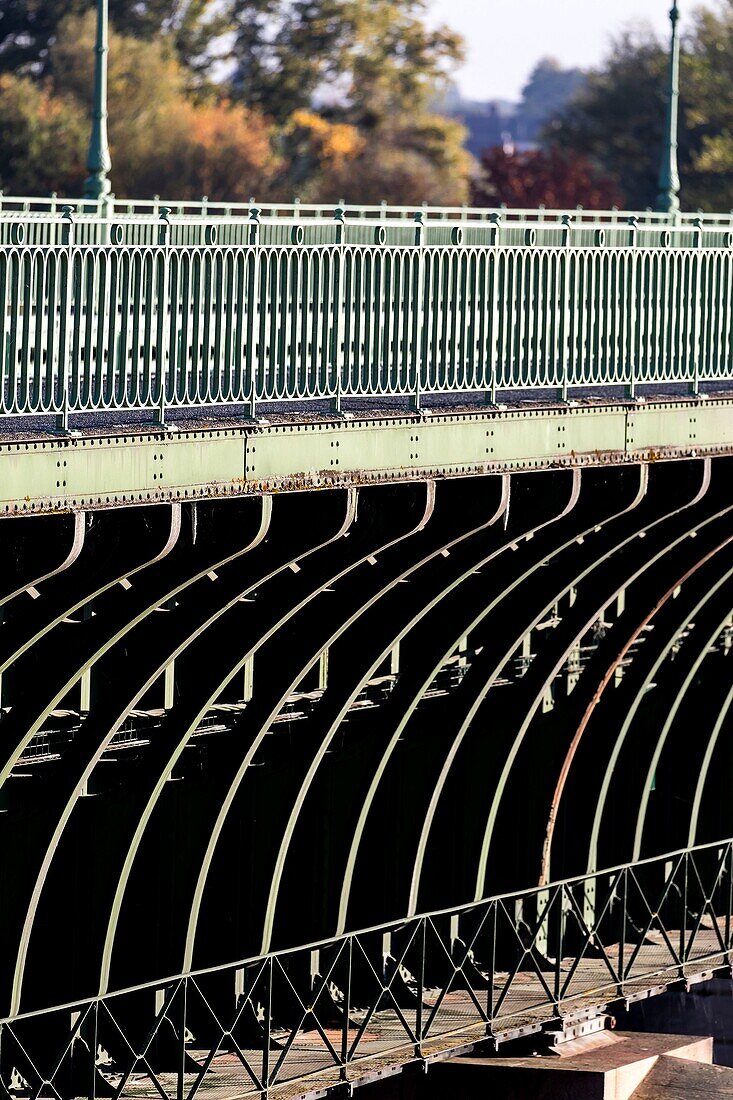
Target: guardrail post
x,y
162,312
696,307
181,1067
567,220
340,302
67,239
346,1011
417,306
491,965
622,936
559,931
266,1029
253,311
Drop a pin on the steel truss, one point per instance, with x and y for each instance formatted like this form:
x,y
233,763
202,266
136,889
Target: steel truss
x,y
373,1001
233,727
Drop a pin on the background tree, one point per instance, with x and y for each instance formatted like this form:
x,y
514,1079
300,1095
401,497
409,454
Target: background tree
x,y
617,119
193,29
537,177
548,90
372,65
161,140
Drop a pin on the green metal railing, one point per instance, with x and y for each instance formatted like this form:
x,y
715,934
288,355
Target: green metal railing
x,y
139,223
42,230
167,326
403,992
112,207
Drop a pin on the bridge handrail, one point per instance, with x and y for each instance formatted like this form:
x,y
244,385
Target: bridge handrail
x,y
499,966
114,208
44,229
158,327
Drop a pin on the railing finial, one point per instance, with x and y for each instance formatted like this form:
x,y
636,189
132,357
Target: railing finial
x,y
668,200
97,186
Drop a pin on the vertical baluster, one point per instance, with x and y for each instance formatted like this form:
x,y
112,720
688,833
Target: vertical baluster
x,y
162,302
65,274
417,296
338,318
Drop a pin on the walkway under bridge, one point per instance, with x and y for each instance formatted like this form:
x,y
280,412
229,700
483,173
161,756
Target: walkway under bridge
x,y
364,651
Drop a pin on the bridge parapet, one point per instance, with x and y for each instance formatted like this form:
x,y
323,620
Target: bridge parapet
x,y
89,329
363,1006
42,223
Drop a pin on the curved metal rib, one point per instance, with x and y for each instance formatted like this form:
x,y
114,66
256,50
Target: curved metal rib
x,y
77,543
661,740
87,770
188,732
485,687
331,732
265,725
631,714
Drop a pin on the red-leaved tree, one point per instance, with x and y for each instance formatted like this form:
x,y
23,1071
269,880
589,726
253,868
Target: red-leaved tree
x,y
537,176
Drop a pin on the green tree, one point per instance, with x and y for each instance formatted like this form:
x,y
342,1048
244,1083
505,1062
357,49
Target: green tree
x,y
365,58
373,65
193,29
618,118
161,140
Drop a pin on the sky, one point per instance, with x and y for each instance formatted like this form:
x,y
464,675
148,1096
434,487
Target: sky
x,y
504,38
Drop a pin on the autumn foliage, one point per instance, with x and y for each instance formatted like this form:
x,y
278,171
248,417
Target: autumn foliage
x,y
538,177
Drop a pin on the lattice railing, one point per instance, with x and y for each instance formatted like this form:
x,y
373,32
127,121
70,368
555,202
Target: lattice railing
x,y
410,990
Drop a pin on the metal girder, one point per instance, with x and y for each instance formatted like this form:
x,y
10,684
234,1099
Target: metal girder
x,y
718,583
132,467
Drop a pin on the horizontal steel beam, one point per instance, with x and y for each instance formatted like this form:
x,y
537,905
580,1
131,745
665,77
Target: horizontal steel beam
x,y
49,474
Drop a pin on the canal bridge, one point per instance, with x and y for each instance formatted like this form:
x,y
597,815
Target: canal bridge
x,y
366,622
366,619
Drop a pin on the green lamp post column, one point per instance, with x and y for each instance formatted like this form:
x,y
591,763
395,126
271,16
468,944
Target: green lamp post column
x,y
668,199
97,186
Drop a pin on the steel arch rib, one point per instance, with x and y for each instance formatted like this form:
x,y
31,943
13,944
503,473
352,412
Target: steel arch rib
x,y
661,740
251,544
27,645
191,727
485,686
129,625
597,696
75,549
353,854
61,823
618,744
498,793
290,827
264,726
133,847
705,768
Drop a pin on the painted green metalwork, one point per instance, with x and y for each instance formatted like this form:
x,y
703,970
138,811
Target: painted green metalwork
x,y
480,973
668,200
128,467
98,186
18,206
709,595
153,328
329,227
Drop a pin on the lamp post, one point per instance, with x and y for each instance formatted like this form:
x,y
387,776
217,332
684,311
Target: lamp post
x,y
97,186
668,199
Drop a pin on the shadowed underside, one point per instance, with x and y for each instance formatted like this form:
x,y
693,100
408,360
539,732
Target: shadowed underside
x,y
233,727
